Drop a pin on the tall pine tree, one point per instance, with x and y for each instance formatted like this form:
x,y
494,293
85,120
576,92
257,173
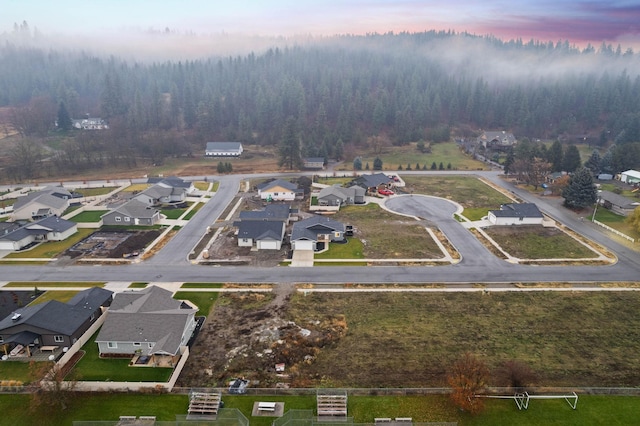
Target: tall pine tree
x,y
581,192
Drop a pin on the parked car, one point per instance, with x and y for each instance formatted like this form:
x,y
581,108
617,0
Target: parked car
x,y
385,191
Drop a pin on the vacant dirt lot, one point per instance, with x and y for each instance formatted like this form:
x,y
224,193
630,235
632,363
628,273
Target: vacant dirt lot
x,y
411,339
112,244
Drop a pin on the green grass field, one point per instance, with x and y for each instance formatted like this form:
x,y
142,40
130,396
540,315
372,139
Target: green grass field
x,y
591,410
59,295
617,222
91,216
51,249
93,192
193,211
354,249
203,300
93,368
201,185
173,213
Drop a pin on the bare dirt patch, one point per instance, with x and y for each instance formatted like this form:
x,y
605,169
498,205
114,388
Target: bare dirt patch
x,y
247,334
112,244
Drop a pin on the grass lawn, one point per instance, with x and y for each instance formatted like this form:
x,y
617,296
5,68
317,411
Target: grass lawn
x,y
617,222
93,192
7,202
193,211
215,186
45,284
59,295
136,187
410,339
201,185
354,249
468,191
71,209
173,213
201,285
536,242
591,410
93,368
89,216
394,156
138,285
476,213
203,300
385,235
51,249
15,370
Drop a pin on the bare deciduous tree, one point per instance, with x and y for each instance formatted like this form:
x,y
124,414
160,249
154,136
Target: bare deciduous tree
x,y
468,377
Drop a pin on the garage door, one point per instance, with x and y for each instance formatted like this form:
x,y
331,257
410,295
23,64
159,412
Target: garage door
x,y
268,245
302,245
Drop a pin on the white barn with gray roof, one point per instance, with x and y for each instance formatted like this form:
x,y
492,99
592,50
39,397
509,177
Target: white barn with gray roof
x,y
223,149
146,322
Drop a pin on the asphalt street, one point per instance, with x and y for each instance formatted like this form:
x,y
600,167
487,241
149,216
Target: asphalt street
x,y
477,266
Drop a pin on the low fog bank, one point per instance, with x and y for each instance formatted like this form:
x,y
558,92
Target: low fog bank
x,y
460,54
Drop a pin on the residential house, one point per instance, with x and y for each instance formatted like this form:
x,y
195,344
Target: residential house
x,y
264,229
133,212
223,149
340,196
630,177
146,322
90,123
315,232
516,214
16,236
279,190
52,324
499,140
39,204
263,235
165,191
617,203
313,163
373,182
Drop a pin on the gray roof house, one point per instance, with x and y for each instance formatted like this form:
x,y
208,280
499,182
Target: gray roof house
x,y
314,163
617,203
146,322
272,212
313,233
52,324
51,228
173,181
497,140
39,204
338,195
165,191
372,182
133,212
261,234
223,149
516,214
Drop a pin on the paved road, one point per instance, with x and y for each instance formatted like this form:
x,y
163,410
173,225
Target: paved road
x,y
476,267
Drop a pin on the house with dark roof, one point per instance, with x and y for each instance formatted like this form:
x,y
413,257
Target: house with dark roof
x,y
617,203
39,204
16,236
133,212
147,322
271,212
498,140
313,163
261,235
315,233
279,190
373,182
223,149
336,196
52,324
516,214
165,191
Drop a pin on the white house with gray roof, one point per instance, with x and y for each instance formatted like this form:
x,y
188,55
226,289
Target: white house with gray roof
x,y
146,322
339,196
278,190
516,214
308,233
16,236
39,204
223,149
133,212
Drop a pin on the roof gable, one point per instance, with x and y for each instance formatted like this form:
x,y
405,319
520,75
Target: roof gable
x,y
517,210
277,183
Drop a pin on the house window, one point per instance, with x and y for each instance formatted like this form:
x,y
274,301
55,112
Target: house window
x,y
58,339
245,240
136,343
127,219
112,345
336,234
118,219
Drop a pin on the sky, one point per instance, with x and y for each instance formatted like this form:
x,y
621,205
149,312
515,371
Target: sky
x,y
579,21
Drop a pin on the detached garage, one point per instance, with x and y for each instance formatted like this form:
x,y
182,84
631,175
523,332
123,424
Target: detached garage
x,y
630,177
516,214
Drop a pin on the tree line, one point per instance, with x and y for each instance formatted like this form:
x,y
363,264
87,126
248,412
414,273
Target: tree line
x,y
321,97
